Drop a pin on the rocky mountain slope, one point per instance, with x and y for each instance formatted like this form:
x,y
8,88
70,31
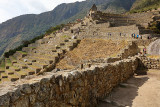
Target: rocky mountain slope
x,y
154,48
143,5
26,27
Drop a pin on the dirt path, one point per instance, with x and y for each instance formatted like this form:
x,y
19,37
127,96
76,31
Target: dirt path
x,y
139,91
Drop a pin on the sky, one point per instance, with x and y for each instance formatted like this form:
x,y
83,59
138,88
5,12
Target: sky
x,y
13,8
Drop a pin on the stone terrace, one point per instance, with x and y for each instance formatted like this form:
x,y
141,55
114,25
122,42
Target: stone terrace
x,y
90,49
37,58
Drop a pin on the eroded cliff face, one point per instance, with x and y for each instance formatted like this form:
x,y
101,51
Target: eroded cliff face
x,y
154,48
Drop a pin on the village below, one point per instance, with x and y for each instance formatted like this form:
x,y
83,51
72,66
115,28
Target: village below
x,y
102,60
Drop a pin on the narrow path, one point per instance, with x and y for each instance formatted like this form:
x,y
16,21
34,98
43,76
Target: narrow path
x,y
139,91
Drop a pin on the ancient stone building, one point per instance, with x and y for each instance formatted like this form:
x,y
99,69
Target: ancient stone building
x,y
93,11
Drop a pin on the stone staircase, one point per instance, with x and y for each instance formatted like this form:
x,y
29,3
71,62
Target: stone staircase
x,y
37,58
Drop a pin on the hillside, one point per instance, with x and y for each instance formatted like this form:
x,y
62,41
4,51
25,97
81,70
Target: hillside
x,y
26,27
144,5
86,64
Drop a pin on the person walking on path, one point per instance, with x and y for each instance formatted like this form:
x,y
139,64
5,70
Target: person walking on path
x,y
137,36
144,51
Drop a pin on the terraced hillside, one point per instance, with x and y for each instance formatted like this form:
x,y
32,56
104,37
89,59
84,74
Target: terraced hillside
x,y
36,58
90,49
44,54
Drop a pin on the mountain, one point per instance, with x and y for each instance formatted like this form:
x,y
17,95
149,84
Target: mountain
x,y
26,27
144,5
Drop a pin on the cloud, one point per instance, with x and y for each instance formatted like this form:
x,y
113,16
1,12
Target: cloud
x,y
13,8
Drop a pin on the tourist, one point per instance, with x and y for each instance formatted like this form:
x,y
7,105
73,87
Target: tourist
x,y
134,35
144,51
137,36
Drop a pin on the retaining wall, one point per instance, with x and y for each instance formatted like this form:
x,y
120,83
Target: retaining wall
x,y
150,63
75,88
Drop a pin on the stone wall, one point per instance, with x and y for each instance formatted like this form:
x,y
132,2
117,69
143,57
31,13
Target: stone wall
x,y
129,51
68,88
146,42
150,63
103,31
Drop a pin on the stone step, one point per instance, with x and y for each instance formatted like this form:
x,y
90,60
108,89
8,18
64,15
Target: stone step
x,y
13,59
4,75
46,60
39,41
30,59
13,77
41,65
34,68
49,51
47,56
14,68
5,80
121,24
9,72
8,63
34,45
20,65
21,74
28,49
20,54
2,71
29,71
2,67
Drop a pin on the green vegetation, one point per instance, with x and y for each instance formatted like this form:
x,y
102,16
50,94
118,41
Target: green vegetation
x,y
22,52
54,29
8,62
2,65
145,5
65,36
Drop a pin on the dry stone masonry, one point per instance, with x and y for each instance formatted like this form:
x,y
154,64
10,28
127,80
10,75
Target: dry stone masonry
x,y
74,88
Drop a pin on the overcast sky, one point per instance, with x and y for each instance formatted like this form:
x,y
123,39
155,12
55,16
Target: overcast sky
x,y
13,8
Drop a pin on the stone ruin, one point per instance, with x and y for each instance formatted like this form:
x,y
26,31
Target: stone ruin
x,y
29,78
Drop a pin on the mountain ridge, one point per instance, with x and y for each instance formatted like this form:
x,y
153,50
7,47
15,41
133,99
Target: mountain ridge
x,y
26,27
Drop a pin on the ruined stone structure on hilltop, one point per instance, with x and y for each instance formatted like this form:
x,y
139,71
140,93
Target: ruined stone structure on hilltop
x,y
90,79
93,10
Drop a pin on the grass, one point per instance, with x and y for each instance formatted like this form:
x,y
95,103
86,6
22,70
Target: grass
x,y
22,52
22,72
8,62
32,47
2,65
65,36
145,5
3,74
